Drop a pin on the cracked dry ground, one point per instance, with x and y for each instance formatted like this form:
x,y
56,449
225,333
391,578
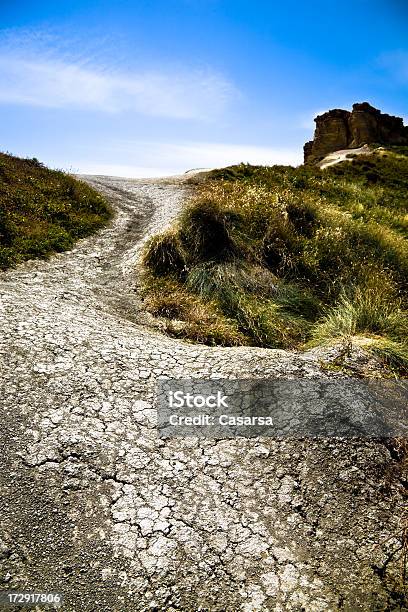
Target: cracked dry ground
x,y
95,506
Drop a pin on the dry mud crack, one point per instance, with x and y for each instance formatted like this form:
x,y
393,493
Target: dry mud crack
x,y
95,506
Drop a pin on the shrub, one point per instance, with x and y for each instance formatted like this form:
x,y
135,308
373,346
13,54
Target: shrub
x,y
164,255
206,231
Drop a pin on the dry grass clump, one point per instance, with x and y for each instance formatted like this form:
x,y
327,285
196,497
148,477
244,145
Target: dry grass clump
x,y
164,255
187,316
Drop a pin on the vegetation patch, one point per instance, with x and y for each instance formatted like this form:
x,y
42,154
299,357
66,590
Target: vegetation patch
x,y
43,211
186,316
296,257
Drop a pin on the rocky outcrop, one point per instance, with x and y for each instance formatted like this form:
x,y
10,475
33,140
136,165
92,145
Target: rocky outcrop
x,y
341,129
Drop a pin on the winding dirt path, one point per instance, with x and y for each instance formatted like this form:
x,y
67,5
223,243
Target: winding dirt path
x,y
95,506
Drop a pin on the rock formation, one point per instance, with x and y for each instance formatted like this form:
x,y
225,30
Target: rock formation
x,y
340,129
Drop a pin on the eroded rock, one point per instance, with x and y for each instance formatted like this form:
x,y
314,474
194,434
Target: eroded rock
x,y
341,129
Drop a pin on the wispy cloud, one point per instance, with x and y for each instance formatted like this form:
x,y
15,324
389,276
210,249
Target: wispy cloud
x,y
38,74
159,159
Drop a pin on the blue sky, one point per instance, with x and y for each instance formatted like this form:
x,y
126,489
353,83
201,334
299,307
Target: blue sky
x,y
144,88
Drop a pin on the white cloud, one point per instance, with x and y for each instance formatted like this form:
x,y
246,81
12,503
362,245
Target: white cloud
x,y
122,170
42,75
161,159
211,155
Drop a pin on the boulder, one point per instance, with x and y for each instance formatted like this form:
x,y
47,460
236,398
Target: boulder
x,y
341,129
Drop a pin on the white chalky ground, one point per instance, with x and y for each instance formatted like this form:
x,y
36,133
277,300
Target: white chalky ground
x,y
96,507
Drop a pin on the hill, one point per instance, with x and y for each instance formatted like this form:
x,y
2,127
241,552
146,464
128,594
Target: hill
x,y
43,211
290,258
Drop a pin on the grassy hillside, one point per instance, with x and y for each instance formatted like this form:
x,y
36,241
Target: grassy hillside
x,y
286,257
42,210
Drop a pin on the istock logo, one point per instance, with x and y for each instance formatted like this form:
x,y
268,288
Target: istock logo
x,y
178,399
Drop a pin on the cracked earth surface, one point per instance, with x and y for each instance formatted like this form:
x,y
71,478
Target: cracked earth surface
x,y
95,506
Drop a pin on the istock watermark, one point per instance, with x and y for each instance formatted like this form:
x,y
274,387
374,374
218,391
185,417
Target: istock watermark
x,y
299,408
178,399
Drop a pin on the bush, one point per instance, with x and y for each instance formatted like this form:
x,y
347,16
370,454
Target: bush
x,y
206,232
164,255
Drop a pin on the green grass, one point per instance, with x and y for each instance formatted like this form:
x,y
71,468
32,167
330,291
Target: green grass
x,y
298,256
43,211
187,316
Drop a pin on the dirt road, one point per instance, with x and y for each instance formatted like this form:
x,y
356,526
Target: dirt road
x,y
95,506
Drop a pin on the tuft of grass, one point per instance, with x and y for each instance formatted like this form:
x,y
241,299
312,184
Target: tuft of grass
x,y
164,255
187,316
268,324
298,300
366,311
369,313
43,211
209,279
267,313
300,255
206,231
